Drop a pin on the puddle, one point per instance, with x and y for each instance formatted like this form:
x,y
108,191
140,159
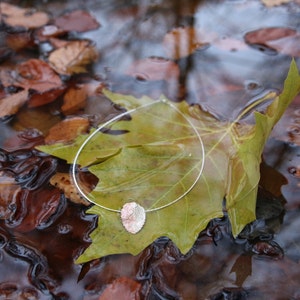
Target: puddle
x,y
192,50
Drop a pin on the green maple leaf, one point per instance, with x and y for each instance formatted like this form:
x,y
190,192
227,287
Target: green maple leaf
x,y
159,158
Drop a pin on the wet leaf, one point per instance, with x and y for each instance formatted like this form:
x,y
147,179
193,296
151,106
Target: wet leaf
x,y
73,57
67,130
263,35
19,17
32,74
242,268
8,191
154,68
122,288
11,104
77,20
75,98
63,181
281,39
133,166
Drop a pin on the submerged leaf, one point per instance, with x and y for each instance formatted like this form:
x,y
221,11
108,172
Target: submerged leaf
x,y
19,17
158,158
73,57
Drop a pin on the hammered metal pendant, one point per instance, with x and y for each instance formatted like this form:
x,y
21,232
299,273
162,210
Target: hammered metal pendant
x,y
133,217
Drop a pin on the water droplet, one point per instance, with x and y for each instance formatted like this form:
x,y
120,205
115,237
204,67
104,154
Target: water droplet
x,y
64,228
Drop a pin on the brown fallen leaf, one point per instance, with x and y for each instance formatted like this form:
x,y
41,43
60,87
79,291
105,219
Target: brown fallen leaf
x,y
289,45
73,57
270,3
19,40
265,35
38,99
58,43
63,181
8,191
154,68
11,104
46,32
122,288
32,74
67,130
77,20
75,98
15,16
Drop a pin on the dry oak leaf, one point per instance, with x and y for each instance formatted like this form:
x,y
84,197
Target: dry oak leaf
x,y
67,130
11,104
270,3
77,20
20,17
73,57
63,182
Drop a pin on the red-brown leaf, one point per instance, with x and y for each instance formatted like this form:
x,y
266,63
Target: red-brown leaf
x,y
154,68
32,74
75,98
19,17
67,130
39,99
77,20
11,104
122,288
265,35
73,57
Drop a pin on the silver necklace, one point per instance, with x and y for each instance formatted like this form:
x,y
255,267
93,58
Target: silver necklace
x,y
133,215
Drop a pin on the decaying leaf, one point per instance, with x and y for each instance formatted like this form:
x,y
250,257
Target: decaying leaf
x,y
19,40
264,35
67,130
159,156
282,39
19,17
8,191
32,74
154,68
73,57
75,98
63,181
122,288
77,20
40,99
37,76
11,104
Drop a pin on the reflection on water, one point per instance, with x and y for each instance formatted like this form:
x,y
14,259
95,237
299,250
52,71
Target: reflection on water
x,y
187,50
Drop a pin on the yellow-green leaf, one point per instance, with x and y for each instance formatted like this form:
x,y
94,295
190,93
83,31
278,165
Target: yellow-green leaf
x,y
158,159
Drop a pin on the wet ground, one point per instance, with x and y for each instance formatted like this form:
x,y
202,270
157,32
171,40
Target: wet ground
x,y
213,53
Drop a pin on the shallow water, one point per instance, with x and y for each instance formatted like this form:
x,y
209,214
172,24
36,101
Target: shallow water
x,y
141,54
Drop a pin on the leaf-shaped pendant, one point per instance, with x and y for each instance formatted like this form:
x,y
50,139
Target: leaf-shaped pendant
x,y
133,217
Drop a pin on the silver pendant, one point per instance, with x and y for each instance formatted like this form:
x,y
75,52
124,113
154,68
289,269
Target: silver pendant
x,y
133,217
